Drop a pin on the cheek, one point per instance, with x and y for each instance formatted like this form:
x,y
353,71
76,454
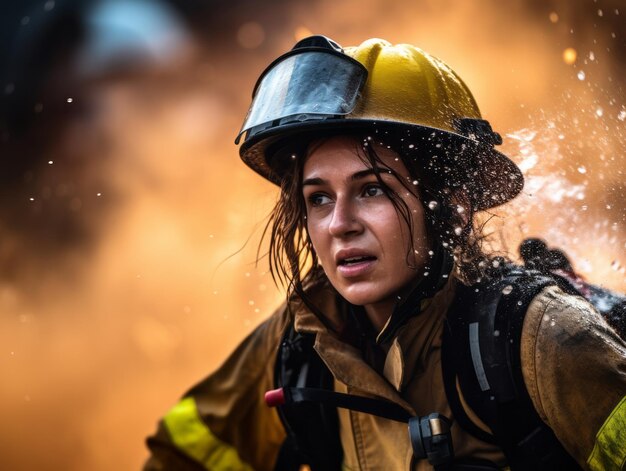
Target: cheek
x,y
315,234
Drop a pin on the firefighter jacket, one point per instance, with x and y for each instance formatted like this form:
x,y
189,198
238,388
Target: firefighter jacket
x,y
574,366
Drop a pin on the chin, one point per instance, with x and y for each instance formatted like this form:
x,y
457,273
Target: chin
x,y
363,295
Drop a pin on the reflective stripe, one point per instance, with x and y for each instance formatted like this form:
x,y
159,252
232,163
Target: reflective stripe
x,y
477,359
609,451
196,440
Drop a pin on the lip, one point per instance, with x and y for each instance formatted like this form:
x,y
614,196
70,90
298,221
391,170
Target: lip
x,y
354,269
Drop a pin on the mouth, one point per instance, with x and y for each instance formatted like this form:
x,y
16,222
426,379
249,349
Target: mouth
x,y
354,263
351,261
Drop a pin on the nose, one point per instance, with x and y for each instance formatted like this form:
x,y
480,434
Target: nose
x,y
345,220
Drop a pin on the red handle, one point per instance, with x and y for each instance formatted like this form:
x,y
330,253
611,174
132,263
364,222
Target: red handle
x,y
275,397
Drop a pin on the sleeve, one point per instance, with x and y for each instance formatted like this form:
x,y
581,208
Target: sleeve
x,y
222,423
574,366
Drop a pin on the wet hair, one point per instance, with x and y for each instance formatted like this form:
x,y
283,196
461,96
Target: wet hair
x,y
449,216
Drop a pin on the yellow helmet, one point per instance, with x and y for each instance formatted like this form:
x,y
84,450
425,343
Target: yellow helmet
x,y
398,93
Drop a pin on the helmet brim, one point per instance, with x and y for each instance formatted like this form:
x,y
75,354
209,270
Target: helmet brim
x,y
488,177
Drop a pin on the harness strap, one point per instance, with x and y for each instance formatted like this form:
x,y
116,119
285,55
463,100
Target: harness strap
x,y
482,344
367,405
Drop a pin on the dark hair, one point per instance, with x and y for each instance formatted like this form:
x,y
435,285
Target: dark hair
x,y
448,208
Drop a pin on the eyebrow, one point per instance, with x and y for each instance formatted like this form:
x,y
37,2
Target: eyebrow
x,y
356,176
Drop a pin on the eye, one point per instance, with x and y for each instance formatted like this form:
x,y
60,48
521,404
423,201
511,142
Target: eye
x,y
318,199
373,190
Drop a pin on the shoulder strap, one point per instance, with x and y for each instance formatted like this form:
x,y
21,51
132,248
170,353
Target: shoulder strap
x,y
312,428
481,350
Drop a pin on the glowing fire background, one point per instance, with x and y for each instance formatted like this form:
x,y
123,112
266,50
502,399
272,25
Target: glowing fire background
x,y
129,227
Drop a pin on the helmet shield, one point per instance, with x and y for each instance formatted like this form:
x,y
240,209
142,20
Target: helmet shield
x,y
305,85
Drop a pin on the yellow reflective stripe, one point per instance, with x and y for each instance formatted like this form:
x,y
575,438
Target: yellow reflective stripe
x,y
609,452
191,435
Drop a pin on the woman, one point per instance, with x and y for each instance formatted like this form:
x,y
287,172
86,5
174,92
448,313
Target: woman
x,y
383,158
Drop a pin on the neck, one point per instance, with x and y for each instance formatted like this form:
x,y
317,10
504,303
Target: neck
x,y
379,313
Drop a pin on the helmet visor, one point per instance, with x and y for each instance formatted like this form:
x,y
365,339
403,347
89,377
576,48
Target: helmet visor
x,y
304,85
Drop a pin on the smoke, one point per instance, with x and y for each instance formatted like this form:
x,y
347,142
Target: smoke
x,y
129,227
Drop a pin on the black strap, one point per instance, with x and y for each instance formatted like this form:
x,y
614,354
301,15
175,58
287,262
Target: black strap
x,y
482,349
380,408
312,428
449,367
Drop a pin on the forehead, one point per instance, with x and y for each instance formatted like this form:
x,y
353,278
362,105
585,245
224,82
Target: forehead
x,y
348,154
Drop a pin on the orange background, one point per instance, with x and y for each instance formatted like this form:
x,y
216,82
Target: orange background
x,y
127,264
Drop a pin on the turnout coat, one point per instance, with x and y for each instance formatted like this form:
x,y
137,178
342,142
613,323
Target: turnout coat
x,y
573,363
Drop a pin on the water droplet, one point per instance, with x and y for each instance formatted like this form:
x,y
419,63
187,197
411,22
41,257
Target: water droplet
x,y
70,100
432,205
415,182
507,290
496,333
599,112
621,115
460,209
581,75
458,230
582,169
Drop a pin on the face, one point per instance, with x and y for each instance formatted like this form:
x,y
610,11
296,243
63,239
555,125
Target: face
x,y
362,242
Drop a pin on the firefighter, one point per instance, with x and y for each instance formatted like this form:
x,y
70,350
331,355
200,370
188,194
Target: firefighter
x,y
383,159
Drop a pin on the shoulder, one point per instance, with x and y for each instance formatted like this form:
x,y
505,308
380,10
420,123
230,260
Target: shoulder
x,y
573,365
557,321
